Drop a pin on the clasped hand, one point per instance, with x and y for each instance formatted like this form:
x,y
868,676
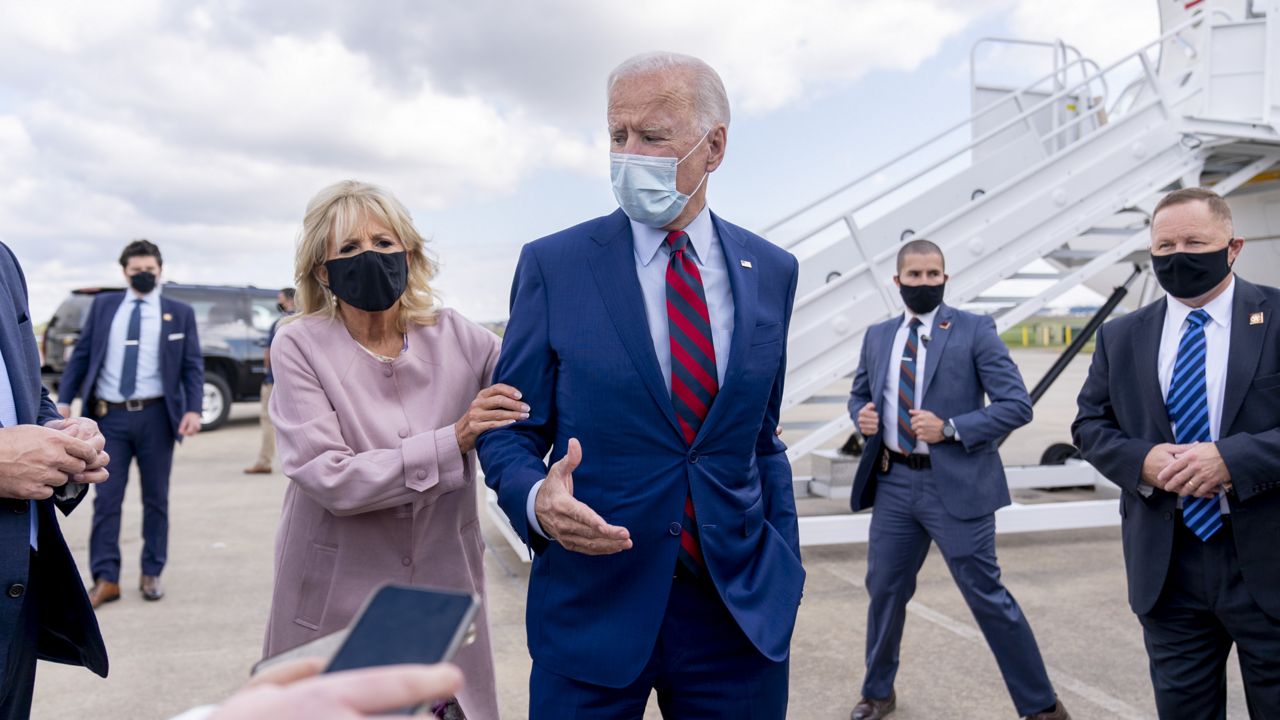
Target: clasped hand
x,y
569,521
1189,470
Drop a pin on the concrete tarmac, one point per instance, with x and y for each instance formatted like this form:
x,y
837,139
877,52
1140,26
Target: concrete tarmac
x,y
196,646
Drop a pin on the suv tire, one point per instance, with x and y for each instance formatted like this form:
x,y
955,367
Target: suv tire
x,y
217,402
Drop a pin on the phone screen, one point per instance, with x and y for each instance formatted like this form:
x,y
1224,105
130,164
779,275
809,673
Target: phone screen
x,y
406,625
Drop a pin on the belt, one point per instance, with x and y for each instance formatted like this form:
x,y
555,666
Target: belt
x,y
130,405
915,461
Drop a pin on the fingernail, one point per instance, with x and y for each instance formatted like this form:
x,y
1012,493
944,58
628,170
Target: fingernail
x,y
511,422
524,416
519,394
525,408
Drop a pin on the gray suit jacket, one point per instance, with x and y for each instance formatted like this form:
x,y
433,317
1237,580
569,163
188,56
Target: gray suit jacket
x,y
965,361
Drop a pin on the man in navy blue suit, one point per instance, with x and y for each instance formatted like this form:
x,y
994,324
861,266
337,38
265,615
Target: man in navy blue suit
x,y
44,612
650,345
138,369
1181,409
931,469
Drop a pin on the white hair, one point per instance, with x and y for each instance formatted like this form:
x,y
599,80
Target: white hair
x,y
711,103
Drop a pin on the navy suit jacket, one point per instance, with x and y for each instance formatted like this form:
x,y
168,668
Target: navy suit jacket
x,y
965,360
578,347
181,365
1122,416
69,630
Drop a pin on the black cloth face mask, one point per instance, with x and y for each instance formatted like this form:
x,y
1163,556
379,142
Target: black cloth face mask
x,y
143,282
371,281
921,299
1189,275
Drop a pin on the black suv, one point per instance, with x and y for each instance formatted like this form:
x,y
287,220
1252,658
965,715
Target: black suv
x,y
233,323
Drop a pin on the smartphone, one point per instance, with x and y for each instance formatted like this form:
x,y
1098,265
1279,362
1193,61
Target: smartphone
x,y
404,624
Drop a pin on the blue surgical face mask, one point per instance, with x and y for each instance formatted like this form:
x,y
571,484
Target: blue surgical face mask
x,y
645,186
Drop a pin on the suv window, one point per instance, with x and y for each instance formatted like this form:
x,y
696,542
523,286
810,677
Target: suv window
x,y
263,313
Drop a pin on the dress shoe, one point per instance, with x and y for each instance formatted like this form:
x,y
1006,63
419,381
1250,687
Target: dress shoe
x,y
1059,712
103,592
870,709
150,587
258,470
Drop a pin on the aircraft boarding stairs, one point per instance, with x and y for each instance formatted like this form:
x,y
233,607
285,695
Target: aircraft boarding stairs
x,y
1059,175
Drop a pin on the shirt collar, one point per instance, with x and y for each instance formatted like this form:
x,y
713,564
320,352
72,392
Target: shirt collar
x,y
926,320
648,241
151,299
1219,308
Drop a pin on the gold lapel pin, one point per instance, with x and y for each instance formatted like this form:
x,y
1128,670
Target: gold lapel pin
x,y
1256,318
168,317
944,325
745,263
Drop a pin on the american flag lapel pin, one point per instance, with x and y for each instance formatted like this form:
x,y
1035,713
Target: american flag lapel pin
x,y
745,263
168,317
1256,318
944,325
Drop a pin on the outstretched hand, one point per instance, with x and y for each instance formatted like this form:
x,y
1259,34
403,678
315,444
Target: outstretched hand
x,y
570,522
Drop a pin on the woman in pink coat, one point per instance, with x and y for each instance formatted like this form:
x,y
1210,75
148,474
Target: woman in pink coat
x,y
379,397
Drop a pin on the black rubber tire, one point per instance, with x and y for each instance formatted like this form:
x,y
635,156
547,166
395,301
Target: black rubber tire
x,y
1059,454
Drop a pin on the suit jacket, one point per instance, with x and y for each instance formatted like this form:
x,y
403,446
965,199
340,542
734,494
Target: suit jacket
x,y
69,630
1122,416
578,347
966,360
181,364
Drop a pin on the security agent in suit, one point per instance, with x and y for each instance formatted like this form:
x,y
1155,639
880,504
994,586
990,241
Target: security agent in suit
x,y
137,366
44,612
931,469
650,345
1181,409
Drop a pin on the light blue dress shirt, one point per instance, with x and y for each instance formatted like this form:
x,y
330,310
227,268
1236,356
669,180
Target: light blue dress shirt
x,y
9,418
149,384
652,259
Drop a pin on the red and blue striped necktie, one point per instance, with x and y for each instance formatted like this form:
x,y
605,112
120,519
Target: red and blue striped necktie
x,y
694,381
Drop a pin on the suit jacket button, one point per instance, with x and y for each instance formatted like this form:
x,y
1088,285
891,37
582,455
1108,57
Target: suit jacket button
x,y
404,433
405,561
1168,516
387,371
422,474
693,457
21,506
674,529
16,590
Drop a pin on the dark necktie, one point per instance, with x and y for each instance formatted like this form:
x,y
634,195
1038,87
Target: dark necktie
x,y
907,388
129,371
1188,406
694,381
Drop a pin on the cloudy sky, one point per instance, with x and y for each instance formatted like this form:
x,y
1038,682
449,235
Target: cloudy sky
x,y
206,125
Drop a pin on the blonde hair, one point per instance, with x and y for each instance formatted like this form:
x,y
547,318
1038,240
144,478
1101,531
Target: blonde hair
x,y
337,211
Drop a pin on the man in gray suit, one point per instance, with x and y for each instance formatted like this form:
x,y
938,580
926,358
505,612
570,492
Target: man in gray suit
x,y
932,471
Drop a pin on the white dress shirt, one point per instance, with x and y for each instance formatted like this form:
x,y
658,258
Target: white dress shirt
x,y
149,382
652,258
9,418
889,416
1217,338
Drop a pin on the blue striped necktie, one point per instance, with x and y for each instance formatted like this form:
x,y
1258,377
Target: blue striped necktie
x,y
907,388
1188,406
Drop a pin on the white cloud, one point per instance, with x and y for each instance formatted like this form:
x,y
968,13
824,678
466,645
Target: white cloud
x,y
206,125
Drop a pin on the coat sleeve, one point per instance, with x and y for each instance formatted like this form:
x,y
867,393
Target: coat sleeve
x,y
1010,406
1096,430
314,454
512,457
74,374
860,393
192,367
1253,459
771,452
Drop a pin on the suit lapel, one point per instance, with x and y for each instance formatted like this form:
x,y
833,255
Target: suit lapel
x,y
1147,355
166,326
1245,350
744,283
613,266
12,346
939,334
881,339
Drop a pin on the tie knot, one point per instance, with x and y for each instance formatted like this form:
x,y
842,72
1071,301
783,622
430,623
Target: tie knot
x,y
915,323
677,240
1198,318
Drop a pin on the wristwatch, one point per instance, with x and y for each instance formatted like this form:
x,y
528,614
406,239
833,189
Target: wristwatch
x,y
949,431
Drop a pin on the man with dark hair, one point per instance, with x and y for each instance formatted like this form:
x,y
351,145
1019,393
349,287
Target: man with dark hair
x,y
1181,409
138,369
931,470
285,303
43,609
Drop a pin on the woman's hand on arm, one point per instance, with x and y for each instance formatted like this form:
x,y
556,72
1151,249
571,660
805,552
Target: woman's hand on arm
x,y
495,406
